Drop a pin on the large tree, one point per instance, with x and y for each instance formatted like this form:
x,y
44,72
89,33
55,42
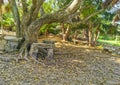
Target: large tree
x,y
34,16
29,23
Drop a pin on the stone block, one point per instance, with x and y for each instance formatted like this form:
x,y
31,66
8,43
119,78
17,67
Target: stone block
x,y
11,43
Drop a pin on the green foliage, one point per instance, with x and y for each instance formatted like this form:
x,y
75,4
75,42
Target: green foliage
x,y
107,37
112,42
7,19
51,28
90,6
53,5
88,11
106,26
79,27
87,7
50,6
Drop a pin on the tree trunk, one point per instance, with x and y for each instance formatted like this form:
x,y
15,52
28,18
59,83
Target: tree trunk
x,y
30,37
30,23
65,32
90,37
90,34
96,35
75,34
85,33
16,17
46,32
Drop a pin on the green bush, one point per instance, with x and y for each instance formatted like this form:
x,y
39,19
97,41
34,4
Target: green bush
x,y
51,28
107,37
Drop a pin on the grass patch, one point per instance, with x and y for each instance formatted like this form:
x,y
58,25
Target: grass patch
x,y
111,42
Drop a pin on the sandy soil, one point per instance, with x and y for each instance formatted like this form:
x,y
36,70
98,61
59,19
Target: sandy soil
x,y
75,65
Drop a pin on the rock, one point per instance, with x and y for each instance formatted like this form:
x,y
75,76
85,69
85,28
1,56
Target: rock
x,y
41,49
118,53
11,38
11,43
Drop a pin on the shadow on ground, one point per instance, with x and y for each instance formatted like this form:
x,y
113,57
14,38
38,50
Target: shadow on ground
x,y
81,66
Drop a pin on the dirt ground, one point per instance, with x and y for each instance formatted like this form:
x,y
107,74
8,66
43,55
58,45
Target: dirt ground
x,y
75,65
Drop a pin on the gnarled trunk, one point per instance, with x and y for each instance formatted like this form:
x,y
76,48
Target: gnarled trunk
x,y
30,23
30,37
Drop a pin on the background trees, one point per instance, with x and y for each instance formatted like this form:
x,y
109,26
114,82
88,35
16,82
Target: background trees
x,y
30,16
32,19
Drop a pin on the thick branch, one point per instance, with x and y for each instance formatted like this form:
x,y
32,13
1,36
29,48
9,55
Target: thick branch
x,y
36,9
24,6
92,15
58,16
32,7
116,18
32,15
16,16
73,6
42,12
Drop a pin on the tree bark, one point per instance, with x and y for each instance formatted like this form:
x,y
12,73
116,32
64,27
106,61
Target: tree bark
x,y
90,37
65,32
90,34
30,38
16,17
96,35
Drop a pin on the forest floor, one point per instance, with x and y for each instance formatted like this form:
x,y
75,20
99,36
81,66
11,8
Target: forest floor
x,y
76,65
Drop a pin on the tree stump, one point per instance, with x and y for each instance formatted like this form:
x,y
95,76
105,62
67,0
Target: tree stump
x,y
42,50
11,43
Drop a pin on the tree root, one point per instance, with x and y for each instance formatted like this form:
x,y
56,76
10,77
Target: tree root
x,y
38,62
24,53
20,56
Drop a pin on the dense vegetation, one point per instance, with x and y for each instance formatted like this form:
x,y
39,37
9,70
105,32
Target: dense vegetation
x,y
72,20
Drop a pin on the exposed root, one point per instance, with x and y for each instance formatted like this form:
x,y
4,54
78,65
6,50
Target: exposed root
x,y
24,53
20,56
35,58
38,62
